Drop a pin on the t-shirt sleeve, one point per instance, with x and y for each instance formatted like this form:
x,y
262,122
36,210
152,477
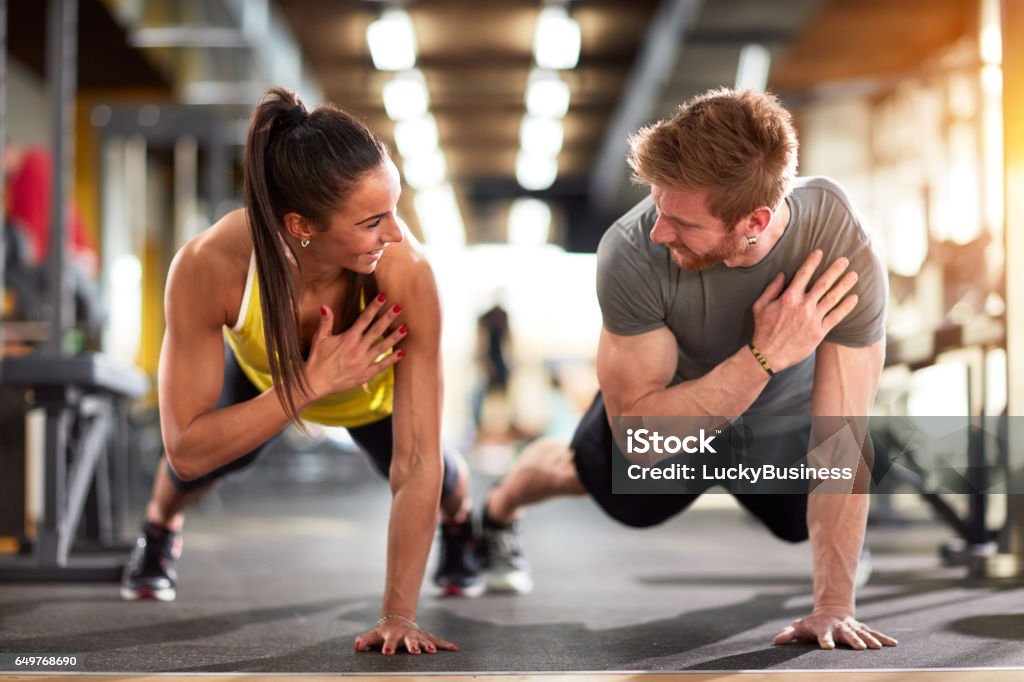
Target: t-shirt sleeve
x,y
628,286
865,324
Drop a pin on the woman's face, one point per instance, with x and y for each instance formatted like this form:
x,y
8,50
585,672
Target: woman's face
x,y
358,234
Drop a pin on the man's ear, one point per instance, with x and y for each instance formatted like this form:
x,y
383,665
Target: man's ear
x,y
758,221
297,226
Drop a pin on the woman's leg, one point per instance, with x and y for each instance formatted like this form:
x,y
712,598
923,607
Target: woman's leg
x,y
150,573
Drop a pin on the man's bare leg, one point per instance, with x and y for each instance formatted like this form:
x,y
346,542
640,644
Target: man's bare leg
x,y
544,470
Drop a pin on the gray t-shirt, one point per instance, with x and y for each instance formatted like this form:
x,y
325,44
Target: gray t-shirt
x,y
710,312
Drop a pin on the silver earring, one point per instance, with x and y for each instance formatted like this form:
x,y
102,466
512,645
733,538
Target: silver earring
x,y
752,240
304,243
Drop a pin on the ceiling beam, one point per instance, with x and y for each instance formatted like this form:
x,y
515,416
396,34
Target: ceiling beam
x,y
653,71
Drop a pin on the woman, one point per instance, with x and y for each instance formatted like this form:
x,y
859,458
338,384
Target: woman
x,y
298,286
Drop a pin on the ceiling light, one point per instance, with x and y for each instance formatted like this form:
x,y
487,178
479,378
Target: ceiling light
x,y
187,36
416,136
424,171
752,71
556,44
547,95
535,172
392,41
529,222
439,217
990,42
541,136
406,96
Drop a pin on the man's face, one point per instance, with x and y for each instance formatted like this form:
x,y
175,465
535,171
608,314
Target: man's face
x,y
695,238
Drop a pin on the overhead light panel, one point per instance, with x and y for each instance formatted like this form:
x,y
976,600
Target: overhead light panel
x,y
534,172
556,44
439,217
752,71
392,41
529,222
547,95
221,92
416,136
425,171
406,96
188,36
541,136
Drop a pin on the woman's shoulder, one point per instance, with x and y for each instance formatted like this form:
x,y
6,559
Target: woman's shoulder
x,y
211,267
223,248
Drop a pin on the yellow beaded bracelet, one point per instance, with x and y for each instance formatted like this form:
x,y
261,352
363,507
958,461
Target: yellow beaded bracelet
x,y
761,359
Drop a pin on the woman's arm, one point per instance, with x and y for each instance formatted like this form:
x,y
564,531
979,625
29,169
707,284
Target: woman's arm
x,y
416,464
197,437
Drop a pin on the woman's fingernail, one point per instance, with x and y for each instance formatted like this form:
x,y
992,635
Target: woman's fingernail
x,y
401,354
386,650
397,309
323,310
404,329
382,298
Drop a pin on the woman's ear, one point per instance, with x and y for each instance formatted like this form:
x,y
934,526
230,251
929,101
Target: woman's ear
x,y
297,226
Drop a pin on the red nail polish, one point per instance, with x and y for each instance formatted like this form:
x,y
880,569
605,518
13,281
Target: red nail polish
x,y
382,298
403,329
397,309
401,354
387,651
323,310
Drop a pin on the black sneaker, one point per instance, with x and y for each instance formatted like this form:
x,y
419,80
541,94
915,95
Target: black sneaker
x,y
501,549
150,571
458,570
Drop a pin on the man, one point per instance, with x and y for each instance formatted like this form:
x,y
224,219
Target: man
x,y
698,320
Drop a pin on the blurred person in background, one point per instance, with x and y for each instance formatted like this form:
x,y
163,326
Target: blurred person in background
x,y
291,309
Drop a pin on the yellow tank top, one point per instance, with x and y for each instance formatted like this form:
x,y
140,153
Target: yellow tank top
x,y
356,407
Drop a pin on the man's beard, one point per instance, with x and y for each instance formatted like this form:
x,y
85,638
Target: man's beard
x,y
732,245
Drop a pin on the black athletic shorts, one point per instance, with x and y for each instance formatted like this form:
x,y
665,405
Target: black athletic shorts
x,y
784,514
375,438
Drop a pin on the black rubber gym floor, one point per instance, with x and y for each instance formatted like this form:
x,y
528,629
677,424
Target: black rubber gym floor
x,y
280,577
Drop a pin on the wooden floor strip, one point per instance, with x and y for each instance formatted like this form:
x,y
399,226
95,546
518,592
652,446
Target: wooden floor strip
x,y
961,675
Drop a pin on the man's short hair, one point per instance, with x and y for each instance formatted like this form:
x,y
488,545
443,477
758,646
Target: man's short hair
x,y
739,146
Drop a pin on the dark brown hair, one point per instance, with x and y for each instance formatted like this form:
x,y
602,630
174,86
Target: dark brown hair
x,y
304,162
737,145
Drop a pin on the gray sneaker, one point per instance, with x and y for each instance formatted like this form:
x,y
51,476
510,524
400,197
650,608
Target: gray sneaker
x,y
505,567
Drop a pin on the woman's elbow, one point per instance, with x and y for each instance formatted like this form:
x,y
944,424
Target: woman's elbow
x,y
415,469
183,466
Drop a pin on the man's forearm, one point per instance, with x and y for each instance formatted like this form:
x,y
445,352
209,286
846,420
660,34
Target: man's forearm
x,y
726,391
836,522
